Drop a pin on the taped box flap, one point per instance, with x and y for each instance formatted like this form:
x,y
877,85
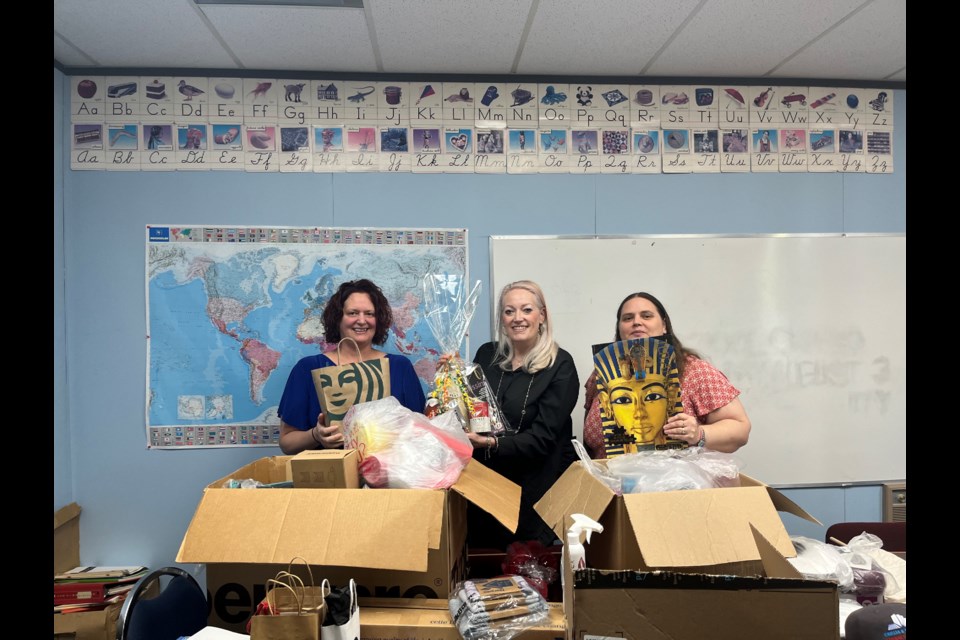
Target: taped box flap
x,y
383,529
491,492
576,491
704,527
780,501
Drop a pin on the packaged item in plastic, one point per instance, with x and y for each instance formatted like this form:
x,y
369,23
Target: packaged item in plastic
x,y
497,608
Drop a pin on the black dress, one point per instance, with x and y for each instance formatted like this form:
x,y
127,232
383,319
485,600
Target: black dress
x,y
539,452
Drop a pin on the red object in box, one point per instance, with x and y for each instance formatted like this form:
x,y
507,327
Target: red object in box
x,y
533,561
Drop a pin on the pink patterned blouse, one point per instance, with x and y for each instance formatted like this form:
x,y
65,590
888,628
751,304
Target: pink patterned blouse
x,y
704,388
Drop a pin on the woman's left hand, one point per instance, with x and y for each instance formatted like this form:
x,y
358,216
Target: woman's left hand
x,y
481,440
683,427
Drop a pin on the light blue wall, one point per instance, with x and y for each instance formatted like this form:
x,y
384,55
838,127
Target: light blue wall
x,y
137,503
833,504
62,466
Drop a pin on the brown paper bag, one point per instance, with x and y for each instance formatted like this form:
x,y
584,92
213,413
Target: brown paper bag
x,y
281,623
309,598
339,387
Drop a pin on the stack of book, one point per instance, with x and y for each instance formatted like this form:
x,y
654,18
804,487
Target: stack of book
x,y
92,588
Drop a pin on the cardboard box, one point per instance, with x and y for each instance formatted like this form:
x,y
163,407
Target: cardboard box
x,y
325,469
428,619
393,542
688,564
639,605
89,625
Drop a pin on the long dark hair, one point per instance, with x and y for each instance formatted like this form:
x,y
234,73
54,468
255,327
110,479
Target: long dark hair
x,y
681,351
333,311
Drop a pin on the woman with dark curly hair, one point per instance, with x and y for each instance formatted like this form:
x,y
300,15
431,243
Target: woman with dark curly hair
x,y
359,311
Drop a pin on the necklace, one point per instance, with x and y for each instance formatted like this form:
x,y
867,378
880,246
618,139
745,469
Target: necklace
x,y
523,411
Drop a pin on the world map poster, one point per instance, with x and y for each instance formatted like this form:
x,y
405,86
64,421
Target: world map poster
x,y
231,310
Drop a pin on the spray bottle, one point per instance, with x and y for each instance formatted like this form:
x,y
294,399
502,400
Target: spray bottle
x,y
582,526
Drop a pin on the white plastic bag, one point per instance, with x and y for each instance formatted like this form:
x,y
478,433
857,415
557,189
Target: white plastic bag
x,y
820,561
401,449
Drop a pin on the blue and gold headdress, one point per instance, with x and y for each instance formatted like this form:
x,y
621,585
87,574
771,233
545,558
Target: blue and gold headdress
x,y
636,359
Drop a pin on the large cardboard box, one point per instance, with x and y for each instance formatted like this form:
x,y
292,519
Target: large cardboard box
x,y
688,564
393,542
89,625
428,619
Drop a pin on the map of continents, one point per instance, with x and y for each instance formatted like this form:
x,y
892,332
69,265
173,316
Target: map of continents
x,y
227,321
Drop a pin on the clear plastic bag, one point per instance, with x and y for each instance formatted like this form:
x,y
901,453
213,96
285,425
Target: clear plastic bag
x,y
496,608
675,470
449,308
533,561
597,470
401,449
458,387
872,580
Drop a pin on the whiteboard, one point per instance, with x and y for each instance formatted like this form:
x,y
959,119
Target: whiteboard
x,y
810,328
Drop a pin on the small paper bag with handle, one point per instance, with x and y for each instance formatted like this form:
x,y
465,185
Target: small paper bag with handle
x,y
311,596
341,386
278,623
342,621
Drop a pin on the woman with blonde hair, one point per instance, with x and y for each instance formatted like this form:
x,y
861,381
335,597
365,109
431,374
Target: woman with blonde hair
x,y
536,385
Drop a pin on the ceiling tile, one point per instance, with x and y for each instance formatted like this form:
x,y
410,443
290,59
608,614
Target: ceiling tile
x,y
140,33
871,44
603,37
68,55
829,39
295,38
747,38
899,76
448,36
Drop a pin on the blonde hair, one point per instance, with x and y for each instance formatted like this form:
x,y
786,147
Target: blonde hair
x,y
544,352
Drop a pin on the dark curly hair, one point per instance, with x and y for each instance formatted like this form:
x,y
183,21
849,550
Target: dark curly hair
x,y
681,351
333,311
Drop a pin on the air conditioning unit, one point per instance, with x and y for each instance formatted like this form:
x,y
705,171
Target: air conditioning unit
x,y
895,502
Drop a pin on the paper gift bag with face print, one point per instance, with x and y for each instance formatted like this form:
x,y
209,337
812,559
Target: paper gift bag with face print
x,y
339,387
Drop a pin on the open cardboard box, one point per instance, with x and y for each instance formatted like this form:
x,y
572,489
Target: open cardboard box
x,y
88,625
393,542
428,619
688,564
